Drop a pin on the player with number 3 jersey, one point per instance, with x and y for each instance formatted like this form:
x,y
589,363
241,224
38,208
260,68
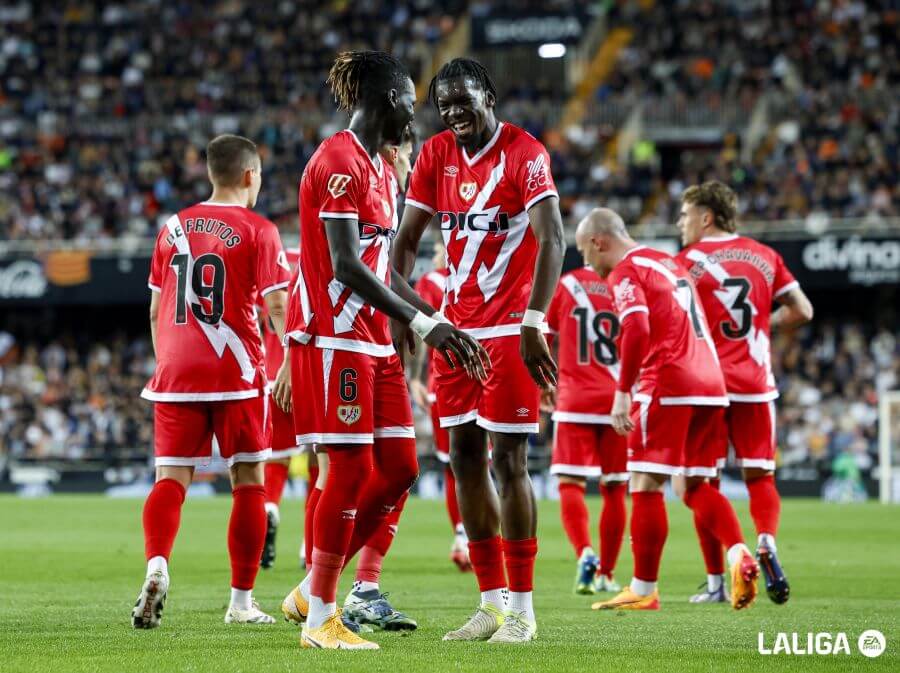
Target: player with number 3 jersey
x,y
737,280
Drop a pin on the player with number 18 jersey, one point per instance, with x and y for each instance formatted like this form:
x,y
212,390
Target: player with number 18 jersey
x,y
582,314
585,445
482,204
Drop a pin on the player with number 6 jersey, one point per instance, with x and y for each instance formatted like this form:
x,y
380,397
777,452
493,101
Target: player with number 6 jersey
x,y
211,263
585,446
341,349
675,426
351,398
737,280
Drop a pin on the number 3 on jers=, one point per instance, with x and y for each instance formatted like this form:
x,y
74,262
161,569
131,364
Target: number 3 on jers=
x,y
213,291
738,327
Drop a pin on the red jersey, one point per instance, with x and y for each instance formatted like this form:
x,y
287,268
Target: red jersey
x,y
272,346
582,314
737,279
210,264
431,287
680,366
341,181
482,202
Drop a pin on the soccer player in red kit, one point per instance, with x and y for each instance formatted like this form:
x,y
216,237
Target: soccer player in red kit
x,y
211,263
737,281
398,157
585,445
366,603
489,183
675,426
350,394
431,287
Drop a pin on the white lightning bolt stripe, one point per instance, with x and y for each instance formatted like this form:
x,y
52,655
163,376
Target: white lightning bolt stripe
x,y
489,278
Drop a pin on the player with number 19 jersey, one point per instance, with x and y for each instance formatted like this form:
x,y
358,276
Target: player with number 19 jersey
x,y
582,316
482,204
737,280
210,265
680,392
